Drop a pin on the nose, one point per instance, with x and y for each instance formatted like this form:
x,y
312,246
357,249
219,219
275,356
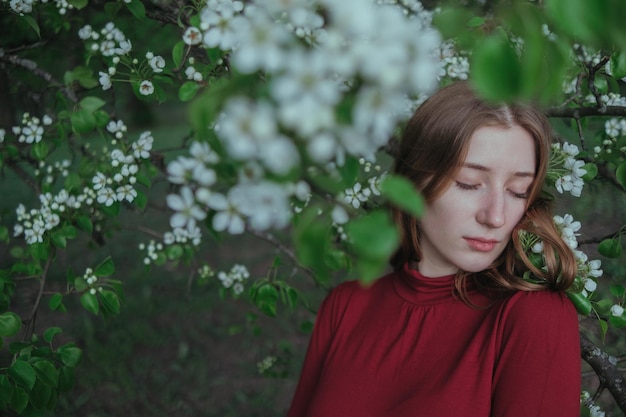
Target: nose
x,y
491,212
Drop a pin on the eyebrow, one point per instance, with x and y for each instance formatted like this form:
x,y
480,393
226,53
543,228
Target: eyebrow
x,y
487,169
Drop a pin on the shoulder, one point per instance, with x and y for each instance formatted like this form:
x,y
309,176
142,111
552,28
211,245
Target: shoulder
x,y
539,305
353,297
540,315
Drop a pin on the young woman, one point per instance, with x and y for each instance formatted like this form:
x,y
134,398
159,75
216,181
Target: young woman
x,y
455,331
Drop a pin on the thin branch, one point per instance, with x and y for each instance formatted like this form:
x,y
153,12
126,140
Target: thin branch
x,y
24,176
578,112
605,367
271,239
143,229
34,68
581,136
30,320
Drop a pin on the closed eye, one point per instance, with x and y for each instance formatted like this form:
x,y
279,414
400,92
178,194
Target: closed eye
x,y
520,195
464,186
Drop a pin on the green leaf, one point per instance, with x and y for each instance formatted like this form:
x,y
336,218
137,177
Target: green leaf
x,y
23,373
55,302
452,22
78,4
402,193
32,23
582,303
604,328
66,378
10,324
496,71
83,121
374,235
91,104
47,373
40,150
178,53
476,21
90,302
102,118
592,171
105,269
137,8
188,90
374,238
39,397
70,355
19,399
582,20
83,75
611,248
141,200
618,65
50,332
73,182
85,224
617,290
58,239
311,241
620,174
266,298
617,322
110,301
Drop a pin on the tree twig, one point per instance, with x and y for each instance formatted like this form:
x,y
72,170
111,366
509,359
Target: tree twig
x,y
34,68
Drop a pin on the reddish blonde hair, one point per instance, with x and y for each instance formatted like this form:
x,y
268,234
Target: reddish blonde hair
x,y
432,149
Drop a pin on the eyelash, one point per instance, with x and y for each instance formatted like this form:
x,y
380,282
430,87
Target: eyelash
x,y
464,186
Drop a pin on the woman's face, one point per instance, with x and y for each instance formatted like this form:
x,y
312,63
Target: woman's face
x,y
469,225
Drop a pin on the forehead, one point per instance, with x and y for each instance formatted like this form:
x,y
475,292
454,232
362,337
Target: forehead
x,y
503,148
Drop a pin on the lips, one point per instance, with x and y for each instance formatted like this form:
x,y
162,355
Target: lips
x,y
480,244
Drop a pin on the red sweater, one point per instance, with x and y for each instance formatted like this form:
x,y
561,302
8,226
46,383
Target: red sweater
x,y
407,347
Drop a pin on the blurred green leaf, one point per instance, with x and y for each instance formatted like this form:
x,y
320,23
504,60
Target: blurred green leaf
x,y
78,4
83,121
91,104
266,297
582,303
592,171
23,373
70,355
105,269
374,238
19,399
402,193
617,322
618,64
178,53
611,248
50,332
137,8
32,23
55,301
47,373
620,174
110,301
10,324
188,90
40,150
496,69
85,223
83,75
66,378
90,302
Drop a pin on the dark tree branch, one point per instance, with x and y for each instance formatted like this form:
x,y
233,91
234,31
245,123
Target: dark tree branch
x,y
46,76
30,320
578,112
605,367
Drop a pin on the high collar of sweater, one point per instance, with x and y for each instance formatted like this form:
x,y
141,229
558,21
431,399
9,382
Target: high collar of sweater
x,y
419,289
